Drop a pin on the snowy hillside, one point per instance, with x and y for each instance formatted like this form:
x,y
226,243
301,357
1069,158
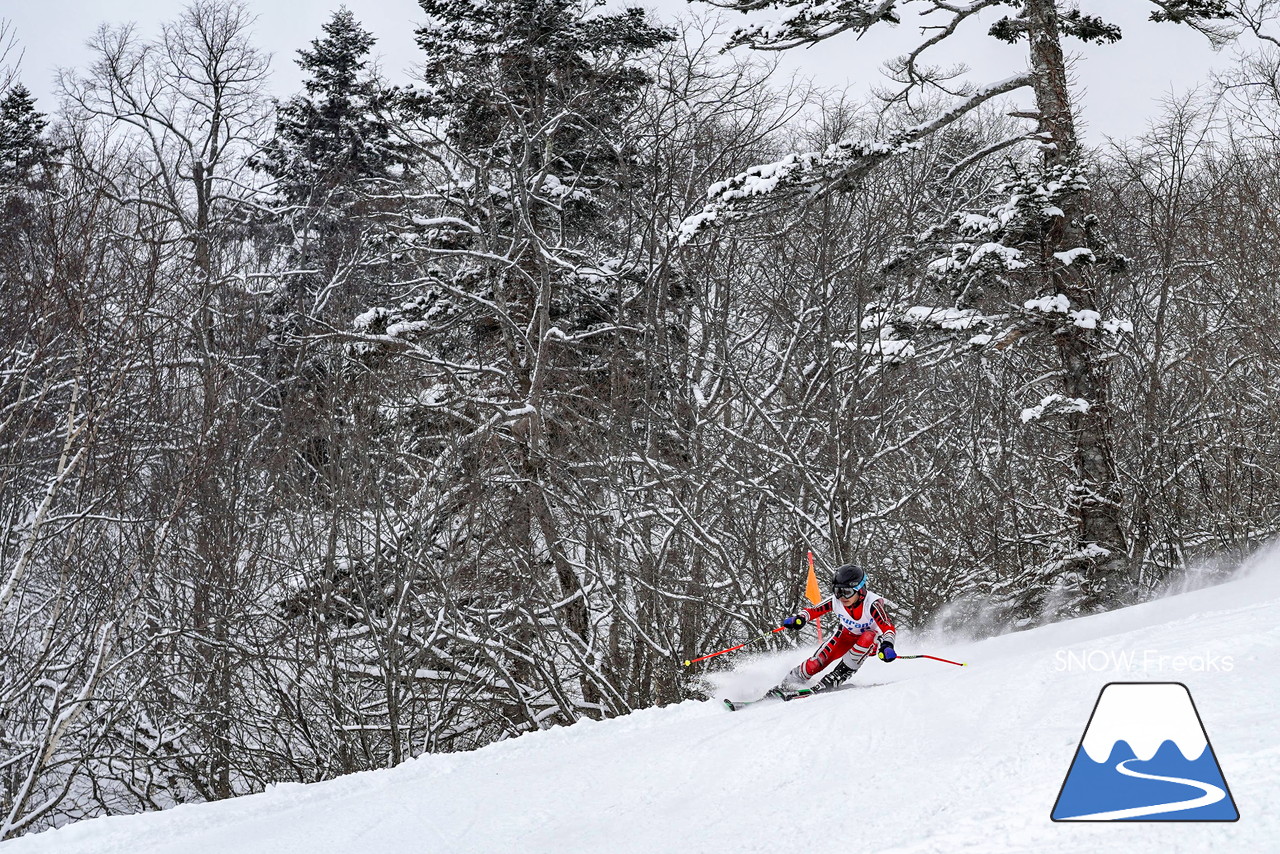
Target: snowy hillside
x,y
926,757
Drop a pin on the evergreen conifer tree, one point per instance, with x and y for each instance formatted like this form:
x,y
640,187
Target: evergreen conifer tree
x,y
335,136
23,147
499,70
334,159
517,320
530,96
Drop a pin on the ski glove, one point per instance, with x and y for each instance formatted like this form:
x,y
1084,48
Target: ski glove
x,y
794,622
887,653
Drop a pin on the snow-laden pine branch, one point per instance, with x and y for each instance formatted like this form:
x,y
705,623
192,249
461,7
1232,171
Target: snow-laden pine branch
x,y
841,165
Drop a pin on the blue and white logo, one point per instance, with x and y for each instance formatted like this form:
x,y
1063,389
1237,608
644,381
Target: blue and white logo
x,y
1145,756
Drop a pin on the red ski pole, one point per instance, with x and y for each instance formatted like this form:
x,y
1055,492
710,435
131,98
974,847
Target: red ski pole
x,y
935,658
689,661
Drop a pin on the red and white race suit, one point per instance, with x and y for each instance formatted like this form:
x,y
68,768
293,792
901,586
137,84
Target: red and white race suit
x,y
860,633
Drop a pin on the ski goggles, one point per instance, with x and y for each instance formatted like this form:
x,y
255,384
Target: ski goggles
x,y
847,592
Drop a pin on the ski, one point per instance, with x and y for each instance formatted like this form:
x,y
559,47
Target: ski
x,y
818,689
771,694
738,705
788,696
795,695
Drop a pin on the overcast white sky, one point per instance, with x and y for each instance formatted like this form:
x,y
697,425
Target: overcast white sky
x,y
1122,84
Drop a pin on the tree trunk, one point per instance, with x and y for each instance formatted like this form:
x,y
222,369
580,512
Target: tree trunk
x,y
1102,550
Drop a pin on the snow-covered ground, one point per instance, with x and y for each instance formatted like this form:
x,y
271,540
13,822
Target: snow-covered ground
x,y
925,757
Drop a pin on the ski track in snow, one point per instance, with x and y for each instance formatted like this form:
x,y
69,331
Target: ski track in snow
x,y
1211,795
932,758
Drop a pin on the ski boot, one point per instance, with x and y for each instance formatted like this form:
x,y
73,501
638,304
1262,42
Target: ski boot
x,y
836,677
792,684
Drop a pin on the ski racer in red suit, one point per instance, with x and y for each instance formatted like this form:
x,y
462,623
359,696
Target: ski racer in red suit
x,y
864,628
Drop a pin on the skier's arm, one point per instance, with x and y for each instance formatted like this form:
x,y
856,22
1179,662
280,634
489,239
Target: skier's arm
x,y
884,624
804,615
818,610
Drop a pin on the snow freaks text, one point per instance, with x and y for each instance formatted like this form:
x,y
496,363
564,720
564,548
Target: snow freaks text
x,y
1110,660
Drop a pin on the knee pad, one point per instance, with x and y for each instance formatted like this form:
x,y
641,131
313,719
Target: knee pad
x,y
864,643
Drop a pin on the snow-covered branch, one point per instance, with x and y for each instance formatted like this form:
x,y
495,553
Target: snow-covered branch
x,y
839,167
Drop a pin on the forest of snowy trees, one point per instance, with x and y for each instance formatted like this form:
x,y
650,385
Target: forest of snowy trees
x,y
379,420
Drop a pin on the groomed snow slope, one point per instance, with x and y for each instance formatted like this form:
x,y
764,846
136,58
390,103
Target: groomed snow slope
x,y
924,758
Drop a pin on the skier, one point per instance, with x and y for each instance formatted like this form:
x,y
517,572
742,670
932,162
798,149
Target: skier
x,y
864,627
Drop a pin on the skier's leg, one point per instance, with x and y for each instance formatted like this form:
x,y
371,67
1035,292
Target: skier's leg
x,y
861,647
864,645
837,645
